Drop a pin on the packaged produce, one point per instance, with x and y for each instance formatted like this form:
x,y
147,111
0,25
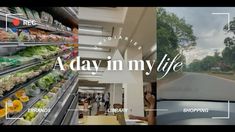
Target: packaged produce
x,y
42,38
36,16
55,89
4,101
20,10
29,13
17,105
20,93
5,10
7,35
30,115
53,38
24,98
40,104
45,82
56,23
48,96
50,20
44,17
2,112
32,90
24,36
6,61
7,83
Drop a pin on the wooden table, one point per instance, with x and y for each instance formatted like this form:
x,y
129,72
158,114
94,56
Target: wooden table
x,y
99,120
138,122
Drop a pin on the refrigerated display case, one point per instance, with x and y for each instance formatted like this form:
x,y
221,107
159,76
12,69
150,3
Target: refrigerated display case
x,y
32,90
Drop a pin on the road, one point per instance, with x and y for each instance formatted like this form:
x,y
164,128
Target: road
x,y
198,86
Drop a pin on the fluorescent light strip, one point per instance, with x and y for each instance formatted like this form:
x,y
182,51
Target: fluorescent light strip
x,y
90,30
100,88
93,48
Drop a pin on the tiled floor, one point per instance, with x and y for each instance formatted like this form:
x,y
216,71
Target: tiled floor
x,y
94,108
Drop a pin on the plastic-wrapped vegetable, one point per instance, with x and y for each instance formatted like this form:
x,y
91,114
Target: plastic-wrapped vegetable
x,y
36,16
9,61
7,35
20,10
24,36
32,90
44,17
50,20
56,23
5,9
29,13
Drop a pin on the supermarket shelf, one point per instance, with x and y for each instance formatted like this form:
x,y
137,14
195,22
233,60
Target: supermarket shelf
x,y
20,86
42,26
29,104
59,109
29,44
12,69
28,65
25,109
67,15
71,117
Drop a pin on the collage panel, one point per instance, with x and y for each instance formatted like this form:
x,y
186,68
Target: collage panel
x,y
78,66
37,45
195,53
122,90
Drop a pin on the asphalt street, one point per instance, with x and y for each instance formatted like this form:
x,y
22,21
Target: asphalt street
x,y
198,86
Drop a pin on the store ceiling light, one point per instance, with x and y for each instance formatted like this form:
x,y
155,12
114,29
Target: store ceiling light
x,y
95,48
153,48
88,88
90,30
139,48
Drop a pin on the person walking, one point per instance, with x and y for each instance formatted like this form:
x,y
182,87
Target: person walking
x,y
97,99
106,102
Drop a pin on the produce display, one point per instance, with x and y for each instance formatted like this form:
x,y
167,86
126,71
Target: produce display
x,y
43,36
9,81
13,107
7,36
31,34
41,52
4,9
16,102
21,95
48,96
29,54
32,90
45,82
29,116
20,10
29,81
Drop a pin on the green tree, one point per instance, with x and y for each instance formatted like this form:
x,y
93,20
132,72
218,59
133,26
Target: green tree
x,y
229,50
173,35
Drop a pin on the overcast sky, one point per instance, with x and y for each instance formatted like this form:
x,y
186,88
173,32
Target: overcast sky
x,y
208,28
